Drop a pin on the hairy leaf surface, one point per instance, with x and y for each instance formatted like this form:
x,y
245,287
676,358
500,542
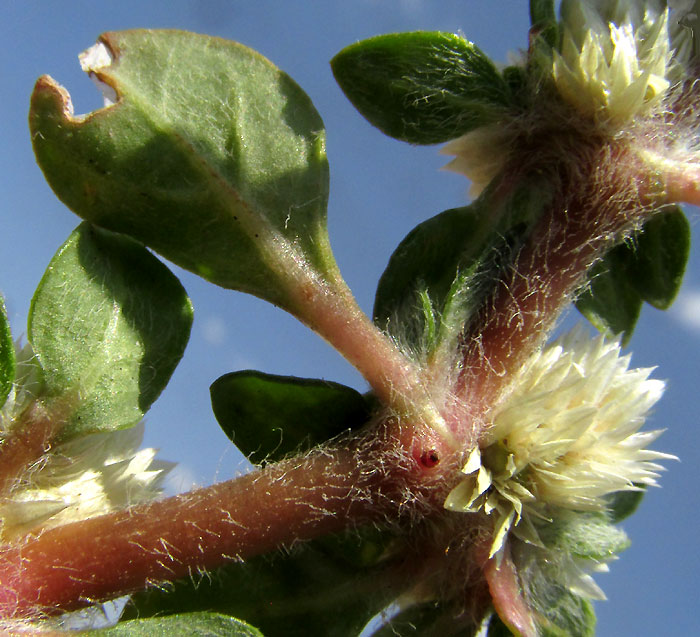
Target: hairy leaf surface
x,y
211,155
109,323
424,87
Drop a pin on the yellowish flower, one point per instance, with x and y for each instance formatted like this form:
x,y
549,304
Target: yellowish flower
x,y
565,437
619,58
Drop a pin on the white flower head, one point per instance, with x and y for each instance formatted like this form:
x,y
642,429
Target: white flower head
x,y
565,437
84,477
618,58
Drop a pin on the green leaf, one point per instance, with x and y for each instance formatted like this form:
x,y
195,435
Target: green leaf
x,y
109,324
542,12
610,302
659,258
269,417
649,267
451,258
544,21
191,624
314,590
558,611
8,363
211,156
622,504
424,87
590,536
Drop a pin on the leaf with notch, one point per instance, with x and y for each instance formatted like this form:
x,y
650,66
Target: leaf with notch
x,y
649,268
109,323
424,87
269,417
211,156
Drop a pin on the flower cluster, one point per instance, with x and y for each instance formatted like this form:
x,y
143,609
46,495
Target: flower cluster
x,y
78,479
565,437
616,61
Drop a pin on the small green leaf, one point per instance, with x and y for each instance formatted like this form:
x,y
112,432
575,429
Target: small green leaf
x,y
191,624
622,504
590,536
313,590
441,256
658,260
8,364
542,12
649,267
109,324
610,302
558,612
424,87
544,21
211,156
269,417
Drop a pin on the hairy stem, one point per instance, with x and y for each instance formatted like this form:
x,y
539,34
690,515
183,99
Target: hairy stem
x,y
299,499
593,211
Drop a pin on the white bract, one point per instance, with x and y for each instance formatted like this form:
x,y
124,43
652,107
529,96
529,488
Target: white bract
x,y
566,436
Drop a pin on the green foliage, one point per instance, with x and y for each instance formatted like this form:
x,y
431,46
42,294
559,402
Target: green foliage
x,y
330,587
650,268
559,612
622,504
268,417
193,624
586,535
8,363
109,324
220,166
658,263
610,302
449,261
424,87
544,21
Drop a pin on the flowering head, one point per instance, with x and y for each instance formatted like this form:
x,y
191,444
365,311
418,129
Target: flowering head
x,y
619,59
565,437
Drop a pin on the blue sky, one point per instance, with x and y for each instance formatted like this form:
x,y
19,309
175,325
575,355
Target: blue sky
x,y
380,189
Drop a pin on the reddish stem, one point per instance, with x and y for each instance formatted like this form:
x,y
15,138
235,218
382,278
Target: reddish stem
x,y
107,556
549,269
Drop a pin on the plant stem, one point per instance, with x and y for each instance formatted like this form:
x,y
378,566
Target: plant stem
x,y
551,266
103,557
